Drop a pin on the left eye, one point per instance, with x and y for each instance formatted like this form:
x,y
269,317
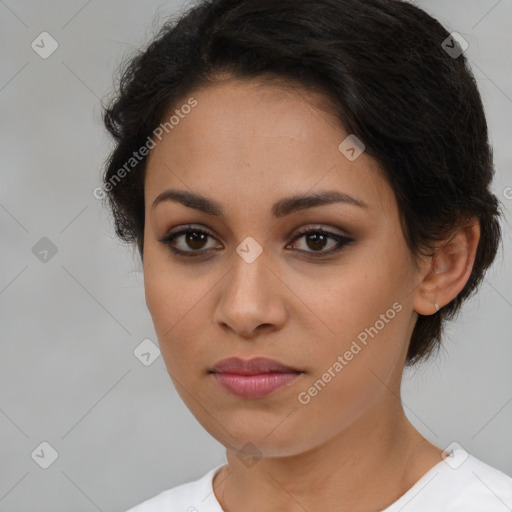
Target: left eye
x,y
194,242
317,239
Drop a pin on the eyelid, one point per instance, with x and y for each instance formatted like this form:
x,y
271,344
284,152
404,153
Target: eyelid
x,y
316,227
184,228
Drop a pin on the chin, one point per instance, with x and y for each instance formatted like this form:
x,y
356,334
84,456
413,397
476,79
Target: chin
x,y
261,439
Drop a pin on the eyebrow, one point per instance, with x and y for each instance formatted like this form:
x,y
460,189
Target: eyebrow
x,y
280,209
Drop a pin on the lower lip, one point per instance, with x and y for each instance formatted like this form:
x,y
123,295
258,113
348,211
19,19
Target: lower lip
x,y
254,386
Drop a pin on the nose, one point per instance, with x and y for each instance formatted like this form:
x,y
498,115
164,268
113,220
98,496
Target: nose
x,y
252,300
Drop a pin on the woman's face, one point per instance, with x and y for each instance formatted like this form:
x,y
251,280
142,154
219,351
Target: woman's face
x,y
253,286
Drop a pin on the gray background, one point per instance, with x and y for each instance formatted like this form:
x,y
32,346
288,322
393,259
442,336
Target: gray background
x,y
68,374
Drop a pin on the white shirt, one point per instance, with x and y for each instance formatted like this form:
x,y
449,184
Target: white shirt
x,y
460,483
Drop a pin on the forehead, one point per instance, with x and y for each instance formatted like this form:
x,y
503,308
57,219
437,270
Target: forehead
x,y
244,139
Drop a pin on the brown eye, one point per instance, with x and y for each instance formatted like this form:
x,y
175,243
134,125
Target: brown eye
x,y
193,242
195,239
188,241
316,240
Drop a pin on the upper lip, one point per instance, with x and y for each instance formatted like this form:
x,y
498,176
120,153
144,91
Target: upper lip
x,y
254,366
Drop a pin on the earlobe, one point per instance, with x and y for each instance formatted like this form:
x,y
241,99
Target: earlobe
x,y
449,270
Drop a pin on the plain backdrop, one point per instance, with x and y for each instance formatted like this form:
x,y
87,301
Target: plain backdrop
x,y
71,295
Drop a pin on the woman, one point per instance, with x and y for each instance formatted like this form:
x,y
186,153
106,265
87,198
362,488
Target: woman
x,y
308,186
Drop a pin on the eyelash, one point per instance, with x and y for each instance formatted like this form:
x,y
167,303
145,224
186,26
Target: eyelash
x,y
169,238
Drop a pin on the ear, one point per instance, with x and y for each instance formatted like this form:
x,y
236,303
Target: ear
x,y
447,272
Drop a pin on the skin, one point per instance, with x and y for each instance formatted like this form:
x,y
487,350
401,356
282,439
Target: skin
x,y
247,145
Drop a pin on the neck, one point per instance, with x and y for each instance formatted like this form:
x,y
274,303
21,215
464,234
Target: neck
x,y
367,466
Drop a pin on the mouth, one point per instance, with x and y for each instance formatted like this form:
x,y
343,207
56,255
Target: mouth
x,y
253,378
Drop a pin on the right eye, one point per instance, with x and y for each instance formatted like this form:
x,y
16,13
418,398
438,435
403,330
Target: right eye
x,y
190,237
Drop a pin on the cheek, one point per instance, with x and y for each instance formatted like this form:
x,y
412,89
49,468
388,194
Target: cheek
x,y
352,298
166,291
365,309
356,370
176,303
166,297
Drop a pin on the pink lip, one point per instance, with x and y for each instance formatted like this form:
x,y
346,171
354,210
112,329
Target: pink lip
x,y
253,378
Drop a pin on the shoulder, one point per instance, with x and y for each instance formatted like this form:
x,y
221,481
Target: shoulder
x,y
481,487
188,497
460,483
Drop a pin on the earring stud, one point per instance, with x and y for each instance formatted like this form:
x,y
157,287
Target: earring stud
x,y
436,305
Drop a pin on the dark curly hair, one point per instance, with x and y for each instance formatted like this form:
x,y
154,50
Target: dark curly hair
x,y
386,67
